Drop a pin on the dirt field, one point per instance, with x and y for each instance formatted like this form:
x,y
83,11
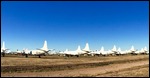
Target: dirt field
x,y
59,66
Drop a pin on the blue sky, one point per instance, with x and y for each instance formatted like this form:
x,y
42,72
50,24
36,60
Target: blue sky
x,y
68,24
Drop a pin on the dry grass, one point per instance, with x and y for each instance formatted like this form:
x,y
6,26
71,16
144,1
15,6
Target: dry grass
x,y
57,60
137,71
53,63
52,66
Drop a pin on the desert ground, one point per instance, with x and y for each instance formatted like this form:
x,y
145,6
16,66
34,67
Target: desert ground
x,y
84,66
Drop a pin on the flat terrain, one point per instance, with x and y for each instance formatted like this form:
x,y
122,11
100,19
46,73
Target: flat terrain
x,y
88,66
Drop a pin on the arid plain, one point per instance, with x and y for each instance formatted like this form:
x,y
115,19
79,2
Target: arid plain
x,y
84,66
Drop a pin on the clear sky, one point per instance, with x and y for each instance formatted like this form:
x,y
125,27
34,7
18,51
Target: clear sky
x,y
67,24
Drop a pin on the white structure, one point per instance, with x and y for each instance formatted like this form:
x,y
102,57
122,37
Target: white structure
x,y
103,52
113,51
146,51
40,51
78,52
121,52
87,49
109,52
3,49
142,51
132,50
67,52
93,53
